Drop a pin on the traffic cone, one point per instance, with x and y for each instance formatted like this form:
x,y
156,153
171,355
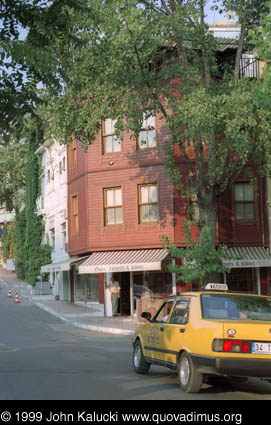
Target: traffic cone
x,y
9,293
17,301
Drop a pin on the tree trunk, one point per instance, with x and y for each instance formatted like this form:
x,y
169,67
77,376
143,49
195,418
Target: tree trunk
x,y
208,209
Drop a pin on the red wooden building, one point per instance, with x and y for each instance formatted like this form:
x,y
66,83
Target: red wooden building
x,y
121,202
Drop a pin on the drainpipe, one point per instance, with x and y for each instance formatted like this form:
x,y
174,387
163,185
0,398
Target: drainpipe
x,y
173,262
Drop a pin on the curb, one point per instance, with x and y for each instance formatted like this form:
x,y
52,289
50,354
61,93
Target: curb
x,y
103,329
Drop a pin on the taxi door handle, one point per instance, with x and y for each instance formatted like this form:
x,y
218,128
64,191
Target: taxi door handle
x,y
182,330
161,329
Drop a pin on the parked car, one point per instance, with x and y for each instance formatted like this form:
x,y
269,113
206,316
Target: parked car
x,y
206,333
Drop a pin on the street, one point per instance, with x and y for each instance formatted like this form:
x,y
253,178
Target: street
x,y
42,358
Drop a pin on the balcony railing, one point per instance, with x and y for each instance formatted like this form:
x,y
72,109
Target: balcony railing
x,y
249,66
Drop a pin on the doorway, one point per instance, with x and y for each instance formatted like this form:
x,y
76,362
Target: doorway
x,y
124,305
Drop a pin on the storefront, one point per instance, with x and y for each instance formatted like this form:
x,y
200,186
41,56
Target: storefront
x,y
86,288
140,273
250,270
59,277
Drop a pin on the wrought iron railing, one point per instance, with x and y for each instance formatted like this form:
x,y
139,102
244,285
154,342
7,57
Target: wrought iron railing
x,y
249,66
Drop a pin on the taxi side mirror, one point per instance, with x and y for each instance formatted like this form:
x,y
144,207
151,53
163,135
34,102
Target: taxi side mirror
x,y
146,315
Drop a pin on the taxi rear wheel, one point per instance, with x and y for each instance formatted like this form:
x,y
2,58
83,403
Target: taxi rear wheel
x,y
139,362
189,379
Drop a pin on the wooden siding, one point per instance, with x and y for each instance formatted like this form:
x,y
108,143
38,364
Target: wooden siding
x,y
127,169
233,233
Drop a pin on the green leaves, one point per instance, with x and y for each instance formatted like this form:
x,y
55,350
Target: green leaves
x,y
199,259
35,42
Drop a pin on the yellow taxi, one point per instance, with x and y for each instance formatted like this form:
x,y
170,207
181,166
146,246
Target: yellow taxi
x,y
212,332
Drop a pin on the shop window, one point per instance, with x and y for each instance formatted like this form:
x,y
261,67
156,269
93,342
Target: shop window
x,y
148,203
111,142
87,288
113,206
242,280
152,284
147,135
244,202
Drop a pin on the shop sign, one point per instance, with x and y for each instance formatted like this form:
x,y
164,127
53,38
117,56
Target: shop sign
x,y
111,268
246,263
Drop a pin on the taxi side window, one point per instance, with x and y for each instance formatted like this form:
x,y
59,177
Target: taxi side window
x,y
163,313
180,314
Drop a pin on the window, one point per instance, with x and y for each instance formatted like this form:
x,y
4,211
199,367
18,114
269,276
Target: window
x,y
148,203
244,202
240,307
64,164
74,215
113,206
180,313
111,142
52,238
73,153
147,136
64,236
163,314
194,209
60,167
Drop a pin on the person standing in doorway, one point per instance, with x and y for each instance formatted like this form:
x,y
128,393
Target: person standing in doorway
x,y
115,295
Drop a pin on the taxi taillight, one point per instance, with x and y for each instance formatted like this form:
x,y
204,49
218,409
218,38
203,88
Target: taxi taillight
x,y
230,346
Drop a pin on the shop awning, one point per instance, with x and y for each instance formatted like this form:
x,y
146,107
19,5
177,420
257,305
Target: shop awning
x,y
62,266
247,256
124,261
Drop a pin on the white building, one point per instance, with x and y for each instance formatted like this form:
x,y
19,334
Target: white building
x,y
52,205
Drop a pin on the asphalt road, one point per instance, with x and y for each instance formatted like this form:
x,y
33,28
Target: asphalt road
x,y
42,358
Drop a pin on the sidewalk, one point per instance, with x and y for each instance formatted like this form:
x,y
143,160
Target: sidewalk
x,y
84,316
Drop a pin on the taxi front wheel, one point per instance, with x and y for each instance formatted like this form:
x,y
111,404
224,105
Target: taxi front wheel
x,y
139,362
190,380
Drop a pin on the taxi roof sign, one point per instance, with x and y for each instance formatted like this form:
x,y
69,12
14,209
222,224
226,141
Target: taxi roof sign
x,y
216,287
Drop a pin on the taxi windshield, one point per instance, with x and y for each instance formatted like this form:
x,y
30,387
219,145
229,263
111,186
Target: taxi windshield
x,y
221,306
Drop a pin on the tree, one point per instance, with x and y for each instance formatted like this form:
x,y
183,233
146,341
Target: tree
x,y
19,244
35,254
35,39
262,39
12,169
160,56
7,241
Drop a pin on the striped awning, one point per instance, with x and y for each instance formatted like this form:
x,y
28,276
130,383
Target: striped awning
x,y
124,261
247,256
60,266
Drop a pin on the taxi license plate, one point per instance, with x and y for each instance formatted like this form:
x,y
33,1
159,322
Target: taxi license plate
x,y
261,348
